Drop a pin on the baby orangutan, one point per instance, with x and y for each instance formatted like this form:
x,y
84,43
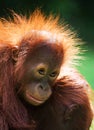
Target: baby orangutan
x,y
39,87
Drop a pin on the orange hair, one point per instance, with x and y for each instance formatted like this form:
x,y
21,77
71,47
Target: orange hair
x,y
13,30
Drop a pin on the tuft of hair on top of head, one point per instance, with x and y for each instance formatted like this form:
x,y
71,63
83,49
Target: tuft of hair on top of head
x,y
20,27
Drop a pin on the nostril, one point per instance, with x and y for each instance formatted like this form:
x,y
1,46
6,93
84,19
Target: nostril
x,y
40,86
43,88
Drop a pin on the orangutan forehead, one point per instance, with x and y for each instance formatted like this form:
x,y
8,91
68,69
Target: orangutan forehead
x,y
47,50
45,53
42,45
39,40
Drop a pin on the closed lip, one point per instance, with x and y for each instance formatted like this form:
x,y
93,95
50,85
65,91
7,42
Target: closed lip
x,y
34,99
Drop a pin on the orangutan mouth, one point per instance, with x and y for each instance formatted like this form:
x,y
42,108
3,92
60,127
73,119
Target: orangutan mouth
x,y
32,98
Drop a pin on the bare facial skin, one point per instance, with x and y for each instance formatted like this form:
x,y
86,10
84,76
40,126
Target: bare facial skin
x,y
40,74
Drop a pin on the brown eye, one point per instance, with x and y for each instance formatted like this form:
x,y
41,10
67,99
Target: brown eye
x,y
41,71
53,74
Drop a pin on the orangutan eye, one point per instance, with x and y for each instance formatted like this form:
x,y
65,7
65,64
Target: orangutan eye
x,y
41,71
54,74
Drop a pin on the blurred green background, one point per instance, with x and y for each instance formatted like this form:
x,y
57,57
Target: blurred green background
x,y
78,14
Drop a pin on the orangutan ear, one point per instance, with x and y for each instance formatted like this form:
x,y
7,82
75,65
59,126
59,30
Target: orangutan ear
x,y
15,53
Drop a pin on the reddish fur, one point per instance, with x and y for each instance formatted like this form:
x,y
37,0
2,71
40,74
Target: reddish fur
x,y
69,107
